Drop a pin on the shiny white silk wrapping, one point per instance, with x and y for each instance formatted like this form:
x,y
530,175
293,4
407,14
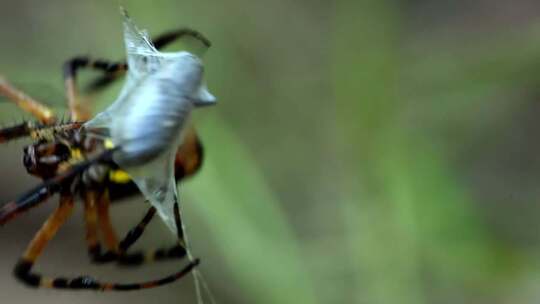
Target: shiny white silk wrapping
x,y
147,119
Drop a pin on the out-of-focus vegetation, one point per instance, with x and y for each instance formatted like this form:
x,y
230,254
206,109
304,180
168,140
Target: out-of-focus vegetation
x,y
361,151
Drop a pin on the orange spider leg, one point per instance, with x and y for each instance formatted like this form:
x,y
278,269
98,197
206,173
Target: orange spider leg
x,y
23,269
28,104
79,111
105,225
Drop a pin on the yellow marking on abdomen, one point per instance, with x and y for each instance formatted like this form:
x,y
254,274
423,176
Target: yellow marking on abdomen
x,y
76,154
119,176
109,144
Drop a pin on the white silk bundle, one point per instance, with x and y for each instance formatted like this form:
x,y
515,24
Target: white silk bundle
x,y
147,119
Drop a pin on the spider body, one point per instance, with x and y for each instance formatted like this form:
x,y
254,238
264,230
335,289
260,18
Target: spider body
x,y
74,161
58,146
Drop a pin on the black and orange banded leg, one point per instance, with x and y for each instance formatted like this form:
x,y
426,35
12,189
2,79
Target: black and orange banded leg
x,y
17,131
30,199
174,252
90,198
28,104
105,224
132,258
135,233
96,214
139,257
23,268
37,131
167,38
115,251
91,226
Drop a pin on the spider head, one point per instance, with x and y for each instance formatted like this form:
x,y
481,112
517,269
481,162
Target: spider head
x,y
43,158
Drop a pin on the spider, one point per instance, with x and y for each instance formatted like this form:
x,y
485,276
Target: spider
x,y
73,164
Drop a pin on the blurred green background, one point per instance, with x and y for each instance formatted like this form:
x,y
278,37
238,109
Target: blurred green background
x,y
361,151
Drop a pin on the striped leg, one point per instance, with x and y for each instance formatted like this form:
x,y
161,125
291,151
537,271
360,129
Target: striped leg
x,y
14,132
135,233
167,38
90,221
170,278
23,269
28,200
29,128
137,258
105,225
124,257
43,113
164,254
90,198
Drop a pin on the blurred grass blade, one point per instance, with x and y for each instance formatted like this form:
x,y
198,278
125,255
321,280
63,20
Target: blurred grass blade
x,y
247,223
406,216
367,65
